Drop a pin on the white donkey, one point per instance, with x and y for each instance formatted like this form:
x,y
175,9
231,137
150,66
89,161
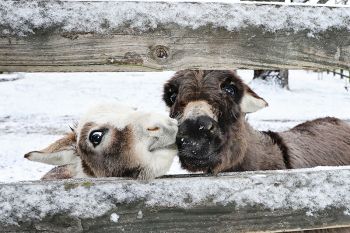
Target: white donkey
x,y
112,141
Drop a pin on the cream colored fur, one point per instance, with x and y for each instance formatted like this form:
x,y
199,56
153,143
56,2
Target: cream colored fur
x,y
153,145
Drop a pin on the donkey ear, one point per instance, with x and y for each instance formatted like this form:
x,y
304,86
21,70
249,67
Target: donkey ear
x,y
251,102
61,152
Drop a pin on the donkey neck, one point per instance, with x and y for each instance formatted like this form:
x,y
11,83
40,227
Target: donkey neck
x,y
263,150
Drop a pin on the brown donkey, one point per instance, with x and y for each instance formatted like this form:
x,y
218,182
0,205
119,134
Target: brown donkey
x,y
214,136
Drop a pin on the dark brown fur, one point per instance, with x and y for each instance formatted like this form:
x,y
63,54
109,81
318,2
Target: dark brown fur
x,y
324,141
276,139
321,142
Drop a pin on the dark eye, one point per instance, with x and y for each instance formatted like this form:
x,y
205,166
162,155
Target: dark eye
x,y
96,137
172,94
172,97
229,88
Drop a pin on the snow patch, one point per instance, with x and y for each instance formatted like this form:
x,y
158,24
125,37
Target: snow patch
x,y
25,17
139,214
114,217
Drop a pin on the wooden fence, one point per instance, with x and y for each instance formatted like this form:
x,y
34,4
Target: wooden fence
x,y
268,201
66,35
106,35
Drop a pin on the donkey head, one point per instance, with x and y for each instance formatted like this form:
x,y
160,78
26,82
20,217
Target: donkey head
x,y
210,107
115,141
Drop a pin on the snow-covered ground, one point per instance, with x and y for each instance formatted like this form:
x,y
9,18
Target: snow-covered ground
x,y
38,108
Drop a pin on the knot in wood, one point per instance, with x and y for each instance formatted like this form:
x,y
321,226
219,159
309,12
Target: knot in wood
x,y
161,52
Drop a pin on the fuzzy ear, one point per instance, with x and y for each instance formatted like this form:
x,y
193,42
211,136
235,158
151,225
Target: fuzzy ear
x,y
61,152
251,102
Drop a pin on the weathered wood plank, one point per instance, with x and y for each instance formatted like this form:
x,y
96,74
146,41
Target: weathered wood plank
x,y
270,201
262,1
247,38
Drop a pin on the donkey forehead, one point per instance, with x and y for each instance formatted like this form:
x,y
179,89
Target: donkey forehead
x,y
117,120
121,118
205,85
200,81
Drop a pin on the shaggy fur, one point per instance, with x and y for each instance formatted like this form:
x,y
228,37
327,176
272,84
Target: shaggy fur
x,y
232,144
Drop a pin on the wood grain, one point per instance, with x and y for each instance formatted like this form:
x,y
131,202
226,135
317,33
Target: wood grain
x,y
172,47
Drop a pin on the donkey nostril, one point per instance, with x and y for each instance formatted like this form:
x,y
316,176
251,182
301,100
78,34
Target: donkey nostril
x,y
181,141
204,123
156,128
209,126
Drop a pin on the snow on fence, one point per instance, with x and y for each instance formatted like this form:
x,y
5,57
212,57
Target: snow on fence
x,y
110,35
269,201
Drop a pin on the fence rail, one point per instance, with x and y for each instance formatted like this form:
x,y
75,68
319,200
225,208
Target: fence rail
x,y
147,36
270,201
341,73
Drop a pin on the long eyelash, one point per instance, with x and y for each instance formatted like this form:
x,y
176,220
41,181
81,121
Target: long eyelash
x,y
73,128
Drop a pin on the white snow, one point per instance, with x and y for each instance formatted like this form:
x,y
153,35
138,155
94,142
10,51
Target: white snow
x,y
139,214
309,190
310,97
24,17
114,217
38,108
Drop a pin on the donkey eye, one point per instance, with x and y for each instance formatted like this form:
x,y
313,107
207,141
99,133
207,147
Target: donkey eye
x,y
173,97
96,137
229,88
170,94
